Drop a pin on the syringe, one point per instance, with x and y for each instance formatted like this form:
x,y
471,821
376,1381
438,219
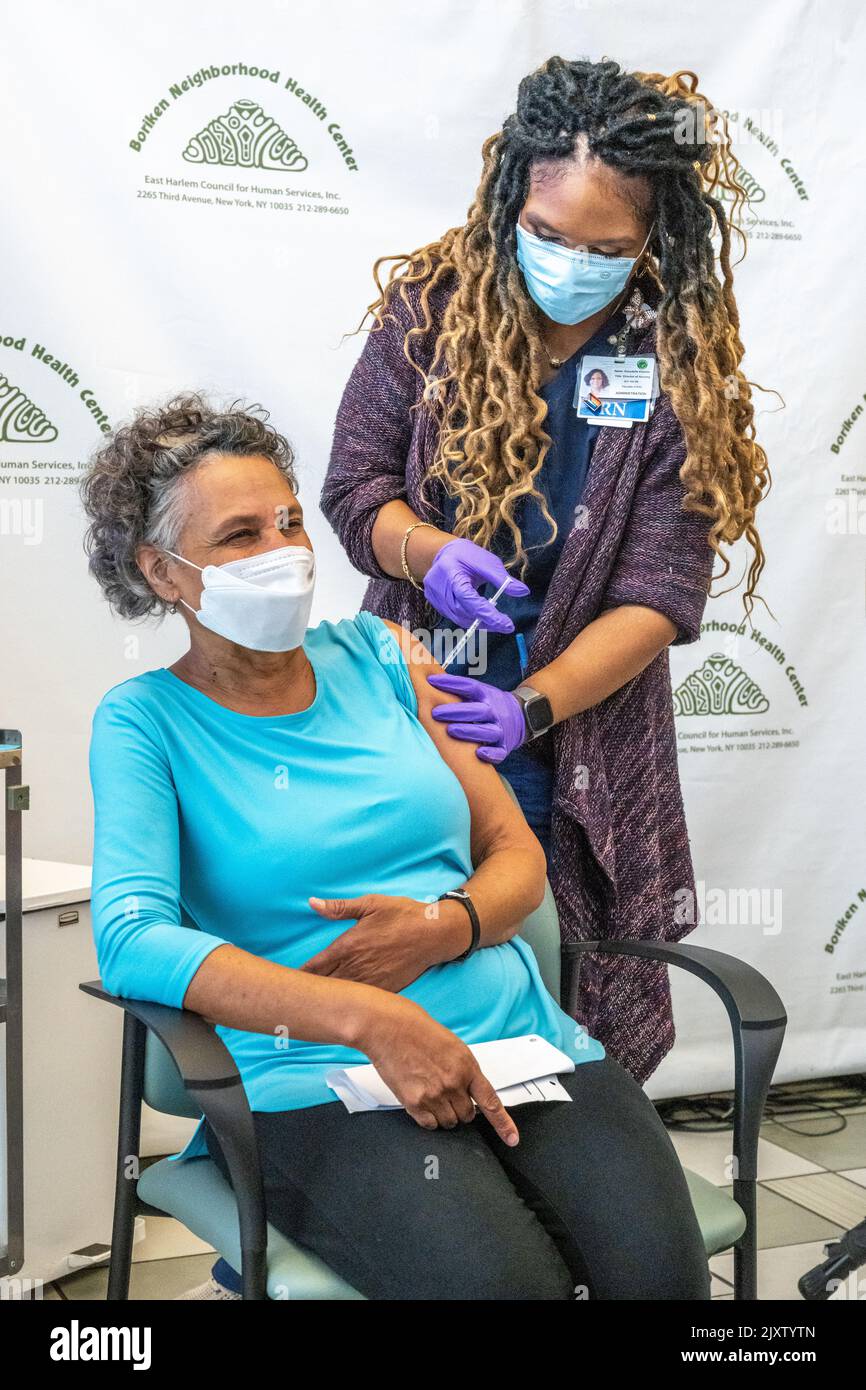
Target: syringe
x,y
473,627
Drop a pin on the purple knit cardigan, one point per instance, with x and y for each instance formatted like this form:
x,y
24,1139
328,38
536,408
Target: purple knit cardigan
x,y
619,845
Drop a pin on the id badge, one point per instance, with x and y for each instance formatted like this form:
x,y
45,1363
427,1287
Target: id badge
x,y
616,391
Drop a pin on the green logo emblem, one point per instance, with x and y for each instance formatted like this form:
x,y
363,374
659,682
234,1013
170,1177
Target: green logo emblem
x,y
642,362
718,687
245,137
22,422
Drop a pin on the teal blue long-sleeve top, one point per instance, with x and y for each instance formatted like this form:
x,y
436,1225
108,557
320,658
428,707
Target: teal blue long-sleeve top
x,y
213,826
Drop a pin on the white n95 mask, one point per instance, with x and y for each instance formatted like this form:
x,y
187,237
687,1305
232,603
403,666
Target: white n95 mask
x,y
262,602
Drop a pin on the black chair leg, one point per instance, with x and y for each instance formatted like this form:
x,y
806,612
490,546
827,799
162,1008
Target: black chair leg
x,y
746,1248
236,1136
756,1051
128,1138
254,1278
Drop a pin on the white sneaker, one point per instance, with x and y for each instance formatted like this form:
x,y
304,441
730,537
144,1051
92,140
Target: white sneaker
x,y
211,1289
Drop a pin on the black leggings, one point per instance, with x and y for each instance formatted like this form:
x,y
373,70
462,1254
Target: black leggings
x,y
592,1203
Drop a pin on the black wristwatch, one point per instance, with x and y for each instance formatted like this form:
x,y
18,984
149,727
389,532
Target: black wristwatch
x,y
461,896
537,714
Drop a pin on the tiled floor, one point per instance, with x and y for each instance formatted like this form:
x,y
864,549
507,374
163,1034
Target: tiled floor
x,y
812,1188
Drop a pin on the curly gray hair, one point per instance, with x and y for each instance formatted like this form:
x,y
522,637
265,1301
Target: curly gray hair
x,y
133,489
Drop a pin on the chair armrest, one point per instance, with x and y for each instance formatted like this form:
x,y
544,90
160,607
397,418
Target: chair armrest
x,y
748,996
209,1074
198,1052
756,1013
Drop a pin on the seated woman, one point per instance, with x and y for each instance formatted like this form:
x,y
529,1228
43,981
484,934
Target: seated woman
x,y
277,818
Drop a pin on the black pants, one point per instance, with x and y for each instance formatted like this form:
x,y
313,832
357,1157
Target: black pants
x,y
592,1203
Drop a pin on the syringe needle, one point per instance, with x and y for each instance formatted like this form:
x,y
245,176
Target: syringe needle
x,y
473,627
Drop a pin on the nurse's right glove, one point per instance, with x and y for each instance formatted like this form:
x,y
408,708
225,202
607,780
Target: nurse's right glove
x,y
452,581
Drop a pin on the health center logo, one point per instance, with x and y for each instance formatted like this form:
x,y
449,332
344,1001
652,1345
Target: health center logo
x,y
246,137
38,448
245,131
719,687
21,420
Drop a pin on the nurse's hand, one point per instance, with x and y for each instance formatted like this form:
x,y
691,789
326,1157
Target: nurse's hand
x,y
452,581
486,715
393,940
431,1072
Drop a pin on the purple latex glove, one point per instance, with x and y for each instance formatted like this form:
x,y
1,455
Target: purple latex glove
x,y
486,715
451,585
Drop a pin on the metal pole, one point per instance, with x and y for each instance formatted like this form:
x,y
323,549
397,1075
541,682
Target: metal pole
x,y
16,801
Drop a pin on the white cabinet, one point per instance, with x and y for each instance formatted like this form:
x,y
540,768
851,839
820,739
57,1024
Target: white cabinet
x,y
71,1074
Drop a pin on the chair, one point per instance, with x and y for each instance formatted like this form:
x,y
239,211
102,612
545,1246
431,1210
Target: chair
x,y
174,1060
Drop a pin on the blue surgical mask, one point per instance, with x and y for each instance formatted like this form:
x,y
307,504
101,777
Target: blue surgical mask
x,y
570,286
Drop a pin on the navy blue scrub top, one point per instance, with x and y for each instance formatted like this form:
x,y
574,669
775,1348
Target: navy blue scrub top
x,y
562,480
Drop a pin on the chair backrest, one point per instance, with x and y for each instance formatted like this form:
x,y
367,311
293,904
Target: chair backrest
x,y
541,931
164,1090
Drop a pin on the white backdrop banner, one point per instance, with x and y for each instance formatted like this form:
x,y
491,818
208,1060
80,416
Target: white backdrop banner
x,y
195,196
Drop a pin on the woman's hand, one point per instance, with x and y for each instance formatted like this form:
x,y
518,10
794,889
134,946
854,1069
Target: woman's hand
x,y
393,941
485,715
431,1072
451,585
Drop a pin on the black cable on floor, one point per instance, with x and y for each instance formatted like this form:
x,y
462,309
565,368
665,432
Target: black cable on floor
x,y
715,1111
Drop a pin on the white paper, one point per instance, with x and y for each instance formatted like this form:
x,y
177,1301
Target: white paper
x,y
544,1088
521,1069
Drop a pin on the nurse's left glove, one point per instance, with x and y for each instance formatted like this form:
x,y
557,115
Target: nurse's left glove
x,y
485,715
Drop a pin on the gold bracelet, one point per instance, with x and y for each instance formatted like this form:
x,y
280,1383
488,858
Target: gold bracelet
x,y
406,570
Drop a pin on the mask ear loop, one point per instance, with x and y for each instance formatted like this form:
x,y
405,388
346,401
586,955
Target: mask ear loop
x,y
644,252
173,606
182,560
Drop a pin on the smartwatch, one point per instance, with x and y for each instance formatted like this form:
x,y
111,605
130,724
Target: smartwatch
x,y
537,714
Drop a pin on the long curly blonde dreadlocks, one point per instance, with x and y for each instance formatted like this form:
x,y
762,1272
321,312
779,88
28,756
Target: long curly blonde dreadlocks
x,y
492,442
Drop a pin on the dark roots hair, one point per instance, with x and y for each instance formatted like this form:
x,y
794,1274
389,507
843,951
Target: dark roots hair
x,y
133,488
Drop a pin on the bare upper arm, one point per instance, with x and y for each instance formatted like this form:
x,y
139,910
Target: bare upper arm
x,y
497,820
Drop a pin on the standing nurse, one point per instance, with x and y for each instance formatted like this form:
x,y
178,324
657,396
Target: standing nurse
x,y
470,442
